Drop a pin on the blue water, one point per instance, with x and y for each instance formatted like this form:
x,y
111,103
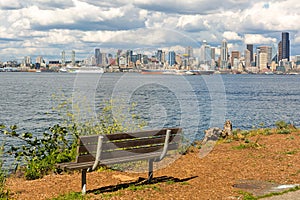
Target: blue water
x,y
194,103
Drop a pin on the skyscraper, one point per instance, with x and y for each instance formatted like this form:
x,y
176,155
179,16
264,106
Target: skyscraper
x,y
285,45
224,54
268,51
98,57
171,58
250,48
63,57
73,58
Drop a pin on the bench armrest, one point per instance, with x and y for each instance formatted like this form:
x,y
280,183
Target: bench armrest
x,y
166,145
98,154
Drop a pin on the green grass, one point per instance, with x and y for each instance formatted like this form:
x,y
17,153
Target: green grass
x,y
249,196
71,196
280,193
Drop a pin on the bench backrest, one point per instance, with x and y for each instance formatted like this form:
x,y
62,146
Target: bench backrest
x,y
126,144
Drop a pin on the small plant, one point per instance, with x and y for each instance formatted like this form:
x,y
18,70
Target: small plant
x,y
3,194
284,128
281,125
249,144
71,196
40,154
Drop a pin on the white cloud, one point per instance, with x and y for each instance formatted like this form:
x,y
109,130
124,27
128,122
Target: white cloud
x,y
11,4
258,39
229,35
83,24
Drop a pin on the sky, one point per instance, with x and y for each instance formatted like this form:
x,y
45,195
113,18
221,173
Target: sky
x,y
47,27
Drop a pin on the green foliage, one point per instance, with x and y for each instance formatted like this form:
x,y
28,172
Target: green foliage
x,y
247,195
249,144
3,193
284,128
40,154
281,125
71,196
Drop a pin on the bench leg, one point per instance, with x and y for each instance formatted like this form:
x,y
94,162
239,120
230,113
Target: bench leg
x,y
150,173
83,181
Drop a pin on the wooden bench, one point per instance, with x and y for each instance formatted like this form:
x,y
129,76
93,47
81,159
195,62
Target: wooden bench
x,y
96,150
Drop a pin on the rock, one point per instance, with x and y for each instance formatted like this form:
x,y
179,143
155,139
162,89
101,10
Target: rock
x,y
227,130
212,134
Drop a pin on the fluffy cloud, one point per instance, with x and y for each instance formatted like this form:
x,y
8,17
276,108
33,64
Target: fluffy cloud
x,y
48,26
229,35
258,39
8,5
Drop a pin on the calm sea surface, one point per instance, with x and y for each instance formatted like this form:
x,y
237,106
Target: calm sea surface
x,y
192,102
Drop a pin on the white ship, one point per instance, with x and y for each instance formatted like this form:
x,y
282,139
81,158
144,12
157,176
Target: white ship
x,y
83,69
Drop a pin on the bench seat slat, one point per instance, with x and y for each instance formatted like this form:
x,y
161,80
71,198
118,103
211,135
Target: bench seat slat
x,y
125,153
127,143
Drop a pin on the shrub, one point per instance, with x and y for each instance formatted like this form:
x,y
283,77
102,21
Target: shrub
x,y
40,154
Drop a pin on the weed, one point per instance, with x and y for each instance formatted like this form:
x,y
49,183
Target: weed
x,y
71,196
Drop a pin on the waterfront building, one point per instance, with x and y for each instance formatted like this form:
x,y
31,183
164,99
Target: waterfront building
x,y
268,51
171,58
224,54
63,57
285,46
235,57
159,56
263,61
297,61
247,58
250,49
104,59
73,60
27,61
205,54
279,55
98,56
213,53
189,51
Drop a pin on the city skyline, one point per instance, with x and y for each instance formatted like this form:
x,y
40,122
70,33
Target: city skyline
x,y
45,28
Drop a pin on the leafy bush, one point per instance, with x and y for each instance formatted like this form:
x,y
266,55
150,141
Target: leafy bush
x,y
3,174
281,125
38,155
41,154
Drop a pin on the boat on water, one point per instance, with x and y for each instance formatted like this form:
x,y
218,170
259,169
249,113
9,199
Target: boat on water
x,y
83,69
177,72
90,70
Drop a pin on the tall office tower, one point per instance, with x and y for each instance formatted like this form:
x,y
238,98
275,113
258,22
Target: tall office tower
x,y
205,53
171,58
159,56
224,54
189,51
235,57
104,59
27,60
73,57
279,57
63,57
285,46
262,60
39,59
250,48
267,50
98,56
213,53
247,58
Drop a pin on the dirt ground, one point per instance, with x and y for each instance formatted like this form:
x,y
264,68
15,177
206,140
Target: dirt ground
x,y
215,176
